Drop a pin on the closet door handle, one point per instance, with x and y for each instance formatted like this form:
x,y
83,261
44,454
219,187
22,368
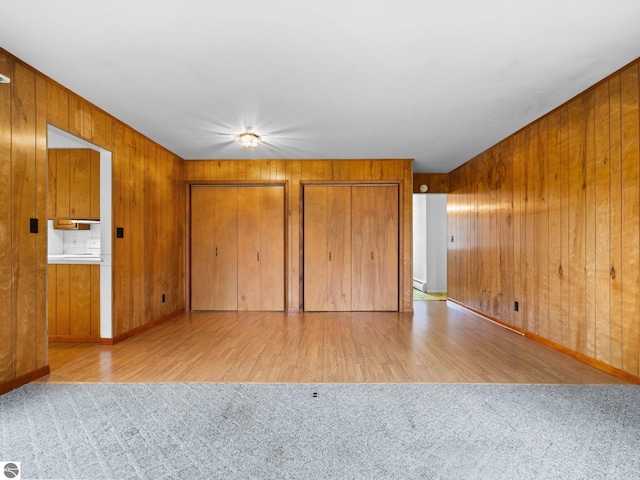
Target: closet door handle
x,y
329,256
258,255
216,251
371,255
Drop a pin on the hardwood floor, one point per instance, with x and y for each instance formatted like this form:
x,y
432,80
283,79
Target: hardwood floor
x,y
440,343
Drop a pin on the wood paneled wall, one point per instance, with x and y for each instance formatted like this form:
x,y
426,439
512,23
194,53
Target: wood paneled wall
x,y
550,218
436,182
295,172
148,201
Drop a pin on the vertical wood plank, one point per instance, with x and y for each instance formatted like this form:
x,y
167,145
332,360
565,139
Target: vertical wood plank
x,y
555,229
615,153
94,158
518,226
590,225
63,185
41,177
63,300
602,232
23,244
57,106
564,224
95,301
76,116
80,300
52,298
6,321
630,133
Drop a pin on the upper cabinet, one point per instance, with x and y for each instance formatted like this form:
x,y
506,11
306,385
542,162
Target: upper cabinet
x,y
74,183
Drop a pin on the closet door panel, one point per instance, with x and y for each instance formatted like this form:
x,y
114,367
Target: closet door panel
x,y
363,254
316,262
327,245
386,249
202,248
249,276
374,253
272,248
225,269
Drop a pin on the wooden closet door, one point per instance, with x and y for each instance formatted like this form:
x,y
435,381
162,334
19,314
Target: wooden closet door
x,y
327,248
214,239
226,248
249,277
261,248
272,248
374,253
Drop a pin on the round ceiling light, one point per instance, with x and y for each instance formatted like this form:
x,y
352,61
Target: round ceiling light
x,y
249,139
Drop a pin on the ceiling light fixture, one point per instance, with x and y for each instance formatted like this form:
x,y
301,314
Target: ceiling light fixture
x,y
249,139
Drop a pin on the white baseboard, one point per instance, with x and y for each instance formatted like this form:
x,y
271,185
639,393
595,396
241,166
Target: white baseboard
x,y
420,285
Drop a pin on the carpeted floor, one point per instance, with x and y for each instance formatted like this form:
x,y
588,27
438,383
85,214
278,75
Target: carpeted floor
x,y
418,295
399,431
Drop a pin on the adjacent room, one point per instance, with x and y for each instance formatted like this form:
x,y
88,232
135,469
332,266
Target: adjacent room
x,y
333,240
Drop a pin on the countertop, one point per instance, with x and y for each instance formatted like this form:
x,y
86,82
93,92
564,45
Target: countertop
x,y
75,258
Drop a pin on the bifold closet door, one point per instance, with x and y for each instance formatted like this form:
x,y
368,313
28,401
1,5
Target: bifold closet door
x,y
261,248
374,248
214,248
327,248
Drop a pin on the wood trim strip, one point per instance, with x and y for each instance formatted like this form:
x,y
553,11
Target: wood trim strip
x,y
73,339
24,379
139,329
616,372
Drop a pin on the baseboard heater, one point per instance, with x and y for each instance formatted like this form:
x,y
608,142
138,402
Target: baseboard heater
x,y
420,285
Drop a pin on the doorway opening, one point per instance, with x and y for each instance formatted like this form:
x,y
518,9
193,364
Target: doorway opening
x,y
68,247
429,246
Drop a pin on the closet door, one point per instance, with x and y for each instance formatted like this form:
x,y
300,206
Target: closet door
x,y
374,252
261,248
214,248
327,248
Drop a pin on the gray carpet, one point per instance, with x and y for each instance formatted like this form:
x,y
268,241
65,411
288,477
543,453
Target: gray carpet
x,y
262,431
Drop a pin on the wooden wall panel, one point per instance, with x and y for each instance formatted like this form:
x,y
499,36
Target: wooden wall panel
x,y
571,197
27,104
6,298
630,220
436,182
296,171
23,188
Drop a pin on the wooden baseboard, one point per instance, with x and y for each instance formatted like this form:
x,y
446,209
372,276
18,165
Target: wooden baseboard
x,y
73,339
24,379
141,328
616,372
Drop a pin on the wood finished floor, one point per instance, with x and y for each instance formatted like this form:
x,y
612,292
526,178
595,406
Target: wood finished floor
x,y
440,343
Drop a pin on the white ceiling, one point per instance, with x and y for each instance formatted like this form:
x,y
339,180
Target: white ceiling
x,y
438,81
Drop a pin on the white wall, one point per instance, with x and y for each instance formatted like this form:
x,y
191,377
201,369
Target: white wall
x,y
430,242
420,242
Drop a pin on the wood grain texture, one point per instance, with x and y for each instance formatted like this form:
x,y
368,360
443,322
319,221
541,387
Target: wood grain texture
x,y
298,172
576,226
6,298
436,182
80,183
374,248
27,104
327,248
272,246
630,235
23,245
441,342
